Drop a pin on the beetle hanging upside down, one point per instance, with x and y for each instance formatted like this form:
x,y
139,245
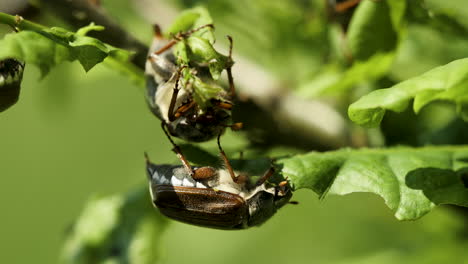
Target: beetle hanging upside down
x,y
215,198
176,107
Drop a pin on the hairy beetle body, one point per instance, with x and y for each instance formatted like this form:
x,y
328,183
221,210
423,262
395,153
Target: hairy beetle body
x,y
216,202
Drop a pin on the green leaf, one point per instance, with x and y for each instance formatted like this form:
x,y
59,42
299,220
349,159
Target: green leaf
x,y
198,48
35,49
454,9
448,82
333,81
47,48
373,36
116,229
410,180
375,27
201,51
191,19
203,92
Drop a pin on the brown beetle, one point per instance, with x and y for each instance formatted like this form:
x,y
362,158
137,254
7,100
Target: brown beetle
x,y
216,203
175,105
215,198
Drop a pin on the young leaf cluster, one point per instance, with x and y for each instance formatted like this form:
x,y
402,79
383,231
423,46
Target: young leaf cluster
x,y
48,47
197,53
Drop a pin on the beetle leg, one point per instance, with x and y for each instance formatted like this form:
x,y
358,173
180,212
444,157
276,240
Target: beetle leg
x,y
178,151
179,36
169,45
343,6
171,113
232,88
157,31
266,176
190,32
237,179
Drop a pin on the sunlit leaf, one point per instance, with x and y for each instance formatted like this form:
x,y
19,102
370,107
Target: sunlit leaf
x,y
448,83
192,19
410,180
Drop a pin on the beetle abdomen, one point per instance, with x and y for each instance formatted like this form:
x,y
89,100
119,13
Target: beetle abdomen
x,y
203,207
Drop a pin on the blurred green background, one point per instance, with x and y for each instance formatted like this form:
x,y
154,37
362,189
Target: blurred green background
x,y
76,134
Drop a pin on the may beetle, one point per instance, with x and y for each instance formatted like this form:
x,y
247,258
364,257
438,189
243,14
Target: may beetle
x,y
175,106
215,198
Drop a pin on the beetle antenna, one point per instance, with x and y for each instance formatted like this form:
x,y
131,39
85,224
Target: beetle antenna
x,y
178,151
343,6
146,157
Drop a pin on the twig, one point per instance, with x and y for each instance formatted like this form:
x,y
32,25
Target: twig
x,y
17,22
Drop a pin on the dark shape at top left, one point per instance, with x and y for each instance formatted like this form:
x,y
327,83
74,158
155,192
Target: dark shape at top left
x,y
11,75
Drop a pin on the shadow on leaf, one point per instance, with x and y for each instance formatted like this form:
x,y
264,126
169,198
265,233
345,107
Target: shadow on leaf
x,y
441,186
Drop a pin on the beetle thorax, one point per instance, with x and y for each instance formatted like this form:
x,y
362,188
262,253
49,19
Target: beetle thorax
x,y
222,181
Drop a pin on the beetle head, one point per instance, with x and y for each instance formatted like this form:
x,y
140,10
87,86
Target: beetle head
x,y
264,203
194,126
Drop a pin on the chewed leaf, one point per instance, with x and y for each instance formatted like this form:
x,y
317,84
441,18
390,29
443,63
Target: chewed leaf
x,y
203,91
116,229
192,19
448,82
411,181
197,48
203,52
